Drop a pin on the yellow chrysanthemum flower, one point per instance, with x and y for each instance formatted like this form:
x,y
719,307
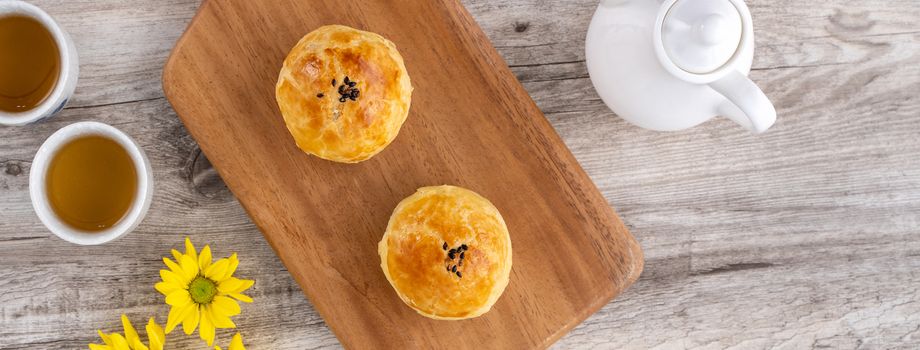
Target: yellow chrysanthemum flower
x,y
235,344
130,341
201,294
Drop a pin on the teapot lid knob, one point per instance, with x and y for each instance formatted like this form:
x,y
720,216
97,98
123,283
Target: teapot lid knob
x,y
700,36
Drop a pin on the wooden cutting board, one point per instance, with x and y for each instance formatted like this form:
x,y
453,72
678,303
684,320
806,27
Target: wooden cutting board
x,y
471,125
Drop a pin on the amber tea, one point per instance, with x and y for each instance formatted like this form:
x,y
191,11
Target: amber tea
x,y
91,183
29,63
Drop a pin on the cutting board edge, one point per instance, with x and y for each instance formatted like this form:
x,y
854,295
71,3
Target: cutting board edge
x,y
166,79
638,257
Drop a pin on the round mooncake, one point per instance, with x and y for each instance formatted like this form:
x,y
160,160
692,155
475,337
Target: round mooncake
x,y
447,253
344,93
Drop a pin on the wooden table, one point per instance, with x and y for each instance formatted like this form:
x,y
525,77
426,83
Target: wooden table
x,y
805,237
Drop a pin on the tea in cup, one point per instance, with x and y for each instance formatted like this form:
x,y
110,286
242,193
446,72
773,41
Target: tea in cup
x,y
90,183
38,64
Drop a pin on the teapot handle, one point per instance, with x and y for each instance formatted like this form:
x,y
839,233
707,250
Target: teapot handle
x,y
749,106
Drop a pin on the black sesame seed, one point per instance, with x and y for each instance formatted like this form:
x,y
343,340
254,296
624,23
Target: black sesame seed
x,y
352,84
463,247
444,246
461,255
342,99
342,89
347,80
451,255
448,268
333,82
320,95
453,250
459,274
453,269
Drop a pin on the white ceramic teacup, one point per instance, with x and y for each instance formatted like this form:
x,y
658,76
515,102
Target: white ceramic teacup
x,y
38,186
67,79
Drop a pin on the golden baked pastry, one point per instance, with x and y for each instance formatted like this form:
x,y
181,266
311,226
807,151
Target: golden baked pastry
x,y
344,93
447,253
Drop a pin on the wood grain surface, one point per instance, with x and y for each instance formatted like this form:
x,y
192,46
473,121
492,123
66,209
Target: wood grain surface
x,y
805,237
471,125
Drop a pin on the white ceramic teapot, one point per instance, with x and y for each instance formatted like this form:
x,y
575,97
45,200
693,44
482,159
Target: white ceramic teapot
x,y
672,64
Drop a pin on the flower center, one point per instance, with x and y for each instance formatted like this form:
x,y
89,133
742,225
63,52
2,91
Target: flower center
x,y
202,290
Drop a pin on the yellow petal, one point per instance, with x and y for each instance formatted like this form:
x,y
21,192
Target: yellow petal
x,y
165,287
119,342
229,285
204,259
246,284
231,268
137,345
191,321
237,342
98,347
189,267
173,266
225,305
130,333
206,328
217,269
221,310
178,298
241,297
177,314
234,285
175,253
174,278
190,249
155,335
105,338
220,320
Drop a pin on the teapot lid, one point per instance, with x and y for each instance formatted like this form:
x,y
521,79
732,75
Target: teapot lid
x,y
699,36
